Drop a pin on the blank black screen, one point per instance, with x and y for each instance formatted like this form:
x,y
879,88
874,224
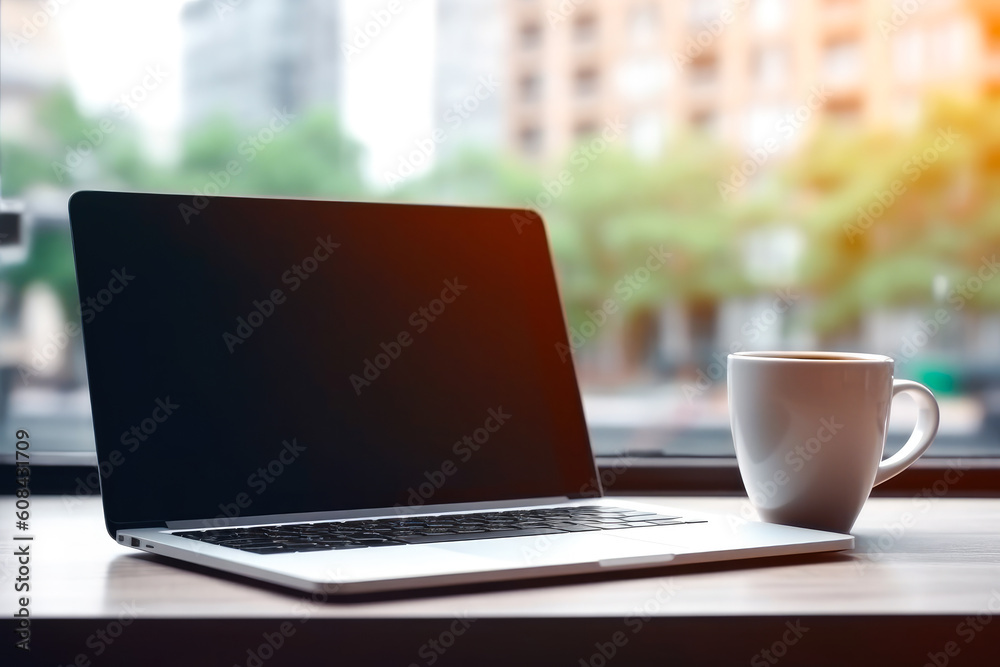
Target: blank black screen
x,y
261,356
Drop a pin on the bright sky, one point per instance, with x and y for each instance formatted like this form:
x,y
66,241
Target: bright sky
x,y
388,92
109,43
387,101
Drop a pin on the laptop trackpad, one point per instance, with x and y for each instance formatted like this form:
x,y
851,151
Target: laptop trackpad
x,y
559,549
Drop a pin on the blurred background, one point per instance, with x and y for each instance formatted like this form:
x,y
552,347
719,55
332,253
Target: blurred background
x,y
715,175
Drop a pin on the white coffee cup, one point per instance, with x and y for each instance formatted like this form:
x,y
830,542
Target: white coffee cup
x,y
809,429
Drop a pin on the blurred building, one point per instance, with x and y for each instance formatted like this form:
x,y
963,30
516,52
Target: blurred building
x,y
746,71
245,59
470,85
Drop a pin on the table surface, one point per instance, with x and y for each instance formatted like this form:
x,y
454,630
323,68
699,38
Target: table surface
x,y
913,556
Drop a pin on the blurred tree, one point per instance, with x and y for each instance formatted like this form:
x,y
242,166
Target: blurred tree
x,y
23,167
311,157
883,216
887,215
29,161
50,261
472,176
627,216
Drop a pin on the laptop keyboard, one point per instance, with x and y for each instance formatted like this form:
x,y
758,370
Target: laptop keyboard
x,y
363,533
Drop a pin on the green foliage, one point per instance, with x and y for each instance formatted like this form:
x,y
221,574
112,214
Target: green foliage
x,y
63,120
25,164
932,206
605,214
50,261
23,167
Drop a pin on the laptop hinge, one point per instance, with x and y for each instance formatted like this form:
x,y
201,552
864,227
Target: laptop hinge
x,y
400,510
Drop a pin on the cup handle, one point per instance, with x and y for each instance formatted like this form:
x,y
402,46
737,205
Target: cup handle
x,y
923,434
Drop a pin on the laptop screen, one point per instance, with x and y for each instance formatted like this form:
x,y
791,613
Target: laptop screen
x,y
262,356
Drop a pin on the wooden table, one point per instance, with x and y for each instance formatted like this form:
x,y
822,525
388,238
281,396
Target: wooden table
x,y
922,587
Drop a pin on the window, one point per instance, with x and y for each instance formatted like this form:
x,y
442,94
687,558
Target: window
x,y
703,71
838,13
419,107
769,68
584,129
949,43
585,30
845,111
644,26
706,122
531,36
530,139
703,12
585,83
530,88
842,63
907,55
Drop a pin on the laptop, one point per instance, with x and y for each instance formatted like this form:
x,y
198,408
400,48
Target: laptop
x,y
350,398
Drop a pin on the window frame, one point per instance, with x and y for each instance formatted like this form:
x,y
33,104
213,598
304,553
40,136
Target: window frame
x,y
719,475
58,472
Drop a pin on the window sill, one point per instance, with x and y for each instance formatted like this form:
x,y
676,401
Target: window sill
x,y
955,477
60,473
